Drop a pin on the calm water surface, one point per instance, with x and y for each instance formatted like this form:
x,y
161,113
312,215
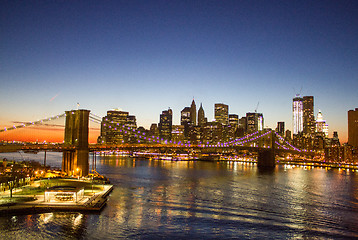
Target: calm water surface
x,y
197,200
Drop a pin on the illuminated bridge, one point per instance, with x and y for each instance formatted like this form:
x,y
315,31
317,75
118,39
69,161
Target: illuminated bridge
x,y
76,148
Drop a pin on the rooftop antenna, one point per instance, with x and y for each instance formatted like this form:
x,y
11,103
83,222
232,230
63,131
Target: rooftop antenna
x,y
297,93
257,106
78,106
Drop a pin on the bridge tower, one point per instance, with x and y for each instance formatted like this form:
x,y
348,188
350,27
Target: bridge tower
x,y
75,161
266,156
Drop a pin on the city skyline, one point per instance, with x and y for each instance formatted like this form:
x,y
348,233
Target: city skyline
x,y
144,57
50,125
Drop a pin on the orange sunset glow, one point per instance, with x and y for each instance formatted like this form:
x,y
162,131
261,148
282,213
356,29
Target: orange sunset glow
x,y
42,133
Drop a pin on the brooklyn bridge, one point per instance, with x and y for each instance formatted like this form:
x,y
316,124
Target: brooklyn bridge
x,y
267,145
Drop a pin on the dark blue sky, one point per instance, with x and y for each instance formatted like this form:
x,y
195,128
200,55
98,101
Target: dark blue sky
x,y
146,56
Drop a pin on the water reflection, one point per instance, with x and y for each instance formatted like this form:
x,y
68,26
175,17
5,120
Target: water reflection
x,y
192,199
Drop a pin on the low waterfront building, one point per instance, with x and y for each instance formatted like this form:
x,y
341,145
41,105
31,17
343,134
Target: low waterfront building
x,y
64,194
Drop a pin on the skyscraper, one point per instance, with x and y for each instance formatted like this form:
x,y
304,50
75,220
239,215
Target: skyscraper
x,y
335,139
234,121
193,113
185,116
353,128
321,125
185,120
165,125
201,116
222,113
112,125
178,133
280,128
254,122
297,115
309,124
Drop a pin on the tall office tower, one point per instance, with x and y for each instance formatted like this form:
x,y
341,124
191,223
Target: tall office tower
x,y
113,123
201,116
321,125
234,121
185,116
165,125
353,128
212,133
242,123
254,122
242,127
288,134
335,139
280,128
309,124
178,133
185,120
193,113
297,115
222,113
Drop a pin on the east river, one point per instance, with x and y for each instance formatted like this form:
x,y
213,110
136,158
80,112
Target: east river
x,y
204,200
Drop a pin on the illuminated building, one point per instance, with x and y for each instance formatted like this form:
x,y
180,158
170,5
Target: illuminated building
x,y
234,121
307,142
318,142
154,131
321,126
165,125
195,134
212,133
230,131
353,128
309,125
193,113
339,154
144,132
185,120
201,116
288,135
115,125
178,133
297,115
280,128
254,122
335,139
221,113
64,194
188,118
185,116
242,126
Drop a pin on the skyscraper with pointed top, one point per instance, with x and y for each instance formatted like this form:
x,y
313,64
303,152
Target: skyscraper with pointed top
x,y
201,116
193,113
